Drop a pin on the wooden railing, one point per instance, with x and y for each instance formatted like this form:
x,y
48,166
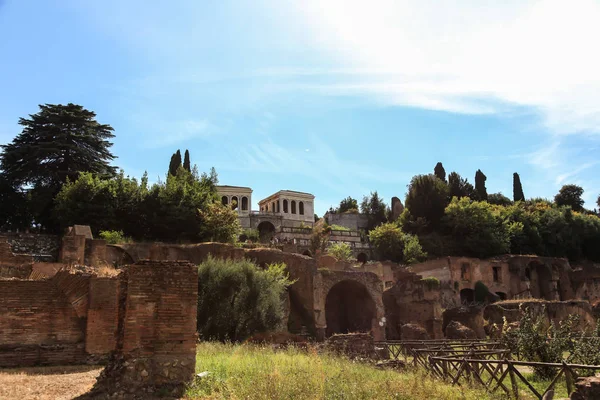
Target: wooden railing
x,y
502,374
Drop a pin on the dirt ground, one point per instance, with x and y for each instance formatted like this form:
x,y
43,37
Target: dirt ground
x,y
47,383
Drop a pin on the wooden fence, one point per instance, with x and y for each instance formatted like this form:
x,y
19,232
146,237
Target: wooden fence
x,y
493,374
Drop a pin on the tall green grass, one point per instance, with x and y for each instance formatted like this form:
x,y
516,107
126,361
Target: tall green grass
x,y
254,372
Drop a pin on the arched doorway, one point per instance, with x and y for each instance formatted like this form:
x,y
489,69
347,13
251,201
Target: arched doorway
x,y
544,279
467,296
502,295
266,230
307,253
349,308
362,258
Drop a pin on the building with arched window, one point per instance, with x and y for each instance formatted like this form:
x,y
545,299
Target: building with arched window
x,y
295,208
240,199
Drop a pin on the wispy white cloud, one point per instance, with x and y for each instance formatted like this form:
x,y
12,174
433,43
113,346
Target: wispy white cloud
x,y
562,178
164,133
464,57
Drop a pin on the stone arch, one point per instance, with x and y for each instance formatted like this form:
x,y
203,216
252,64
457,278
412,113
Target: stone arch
x,y
307,253
266,230
293,206
544,281
301,207
234,202
285,206
349,307
244,203
467,296
502,295
224,200
362,258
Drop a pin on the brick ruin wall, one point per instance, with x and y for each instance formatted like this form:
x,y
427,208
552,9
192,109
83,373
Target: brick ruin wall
x,y
66,319
156,340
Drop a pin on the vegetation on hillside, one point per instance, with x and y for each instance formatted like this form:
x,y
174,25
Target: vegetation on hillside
x,y
237,299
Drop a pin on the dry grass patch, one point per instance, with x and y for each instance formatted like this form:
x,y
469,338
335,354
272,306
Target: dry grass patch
x,y
47,383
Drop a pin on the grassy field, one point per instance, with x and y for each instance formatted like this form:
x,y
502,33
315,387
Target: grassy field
x,y
251,372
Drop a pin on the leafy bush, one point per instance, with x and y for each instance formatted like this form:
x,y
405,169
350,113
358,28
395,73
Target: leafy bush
x,y
341,251
114,237
250,234
219,223
335,227
431,282
427,198
534,342
392,244
237,299
478,228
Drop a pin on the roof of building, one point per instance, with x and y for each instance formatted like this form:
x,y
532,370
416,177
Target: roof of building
x,y
233,187
288,192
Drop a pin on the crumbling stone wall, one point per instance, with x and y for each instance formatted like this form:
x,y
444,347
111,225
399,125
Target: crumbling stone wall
x,y
41,247
550,311
102,316
157,338
411,301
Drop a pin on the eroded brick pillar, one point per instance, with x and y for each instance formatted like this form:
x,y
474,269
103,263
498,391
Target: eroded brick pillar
x,y
157,331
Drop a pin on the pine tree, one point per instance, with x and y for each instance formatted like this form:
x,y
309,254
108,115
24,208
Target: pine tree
x,y
55,145
459,187
517,188
186,161
480,189
440,172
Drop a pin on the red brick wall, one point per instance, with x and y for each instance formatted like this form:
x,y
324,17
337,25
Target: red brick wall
x,y
103,316
38,325
160,319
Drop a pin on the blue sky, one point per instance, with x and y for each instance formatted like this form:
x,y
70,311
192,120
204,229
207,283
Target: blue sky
x,y
333,97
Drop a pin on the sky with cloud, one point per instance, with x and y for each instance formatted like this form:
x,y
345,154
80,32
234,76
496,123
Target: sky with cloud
x,y
332,97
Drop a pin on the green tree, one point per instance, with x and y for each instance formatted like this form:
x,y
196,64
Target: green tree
x,y
347,205
439,171
499,199
175,163
426,199
375,209
237,299
478,228
390,243
570,195
480,189
341,251
517,188
459,187
55,145
14,213
186,161
219,223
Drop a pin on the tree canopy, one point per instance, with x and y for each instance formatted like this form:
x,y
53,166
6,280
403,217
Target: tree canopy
x,y
427,198
347,205
460,187
186,161
175,163
56,144
570,195
375,208
439,171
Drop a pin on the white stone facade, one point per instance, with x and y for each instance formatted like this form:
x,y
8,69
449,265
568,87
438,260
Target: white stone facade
x,y
295,208
240,198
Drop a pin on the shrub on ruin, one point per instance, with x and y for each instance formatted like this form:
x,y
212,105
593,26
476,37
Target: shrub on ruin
x,y
237,299
426,199
250,234
431,282
341,251
114,237
390,243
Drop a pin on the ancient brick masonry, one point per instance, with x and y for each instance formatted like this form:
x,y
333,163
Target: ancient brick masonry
x,y
157,335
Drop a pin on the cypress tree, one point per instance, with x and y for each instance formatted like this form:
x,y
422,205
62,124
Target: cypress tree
x,y
186,161
480,189
517,188
175,163
439,171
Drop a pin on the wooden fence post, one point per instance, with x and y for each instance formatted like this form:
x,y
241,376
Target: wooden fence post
x,y
513,379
